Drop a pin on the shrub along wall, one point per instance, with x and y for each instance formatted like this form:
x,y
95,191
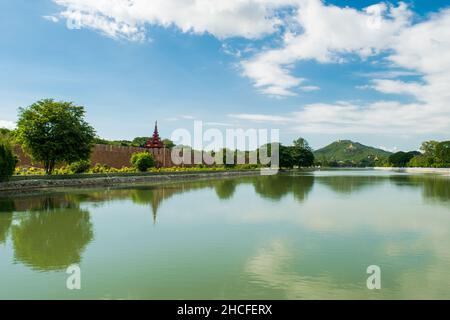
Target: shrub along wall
x,y
113,156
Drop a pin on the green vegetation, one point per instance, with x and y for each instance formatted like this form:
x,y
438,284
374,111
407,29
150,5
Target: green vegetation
x,y
299,154
54,133
104,169
168,143
136,142
80,166
401,159
142,161
8,162
434,154
7,136
346,153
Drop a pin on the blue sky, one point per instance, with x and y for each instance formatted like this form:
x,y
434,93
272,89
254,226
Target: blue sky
x,y
304,66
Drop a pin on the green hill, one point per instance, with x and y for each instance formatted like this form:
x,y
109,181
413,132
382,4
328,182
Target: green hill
x,y
349,152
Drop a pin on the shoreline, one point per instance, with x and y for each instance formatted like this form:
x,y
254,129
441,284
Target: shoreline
x,y
52,182
32,183
442,171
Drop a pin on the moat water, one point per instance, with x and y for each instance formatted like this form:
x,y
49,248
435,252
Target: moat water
x,y
297,236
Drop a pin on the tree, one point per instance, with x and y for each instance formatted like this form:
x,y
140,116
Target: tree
x,y
443,153
429,153
140,141
302,144
80,166
420,161
55,132
401,159
8,162
142,161
301,153
429,148
168,143
286,157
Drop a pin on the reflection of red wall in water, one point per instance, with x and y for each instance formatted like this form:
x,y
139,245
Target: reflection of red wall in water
x,y
113,156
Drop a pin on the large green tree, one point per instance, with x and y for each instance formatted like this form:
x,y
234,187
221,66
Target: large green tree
x,y
401,159
301,153
443,153
54,132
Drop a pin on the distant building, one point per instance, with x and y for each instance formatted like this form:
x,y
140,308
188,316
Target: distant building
x,y
155,141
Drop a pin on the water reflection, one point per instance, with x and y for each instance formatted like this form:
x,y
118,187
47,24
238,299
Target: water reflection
x,y
278,186
435,189
52,239
347,184
5,224
225,189
50,232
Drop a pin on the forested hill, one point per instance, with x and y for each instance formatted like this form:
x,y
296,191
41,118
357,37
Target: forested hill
x,y
349,151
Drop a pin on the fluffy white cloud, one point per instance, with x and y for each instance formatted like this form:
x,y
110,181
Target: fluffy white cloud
x,y
7,124
327,34
330,33
260,118
127,18
313,31
385,117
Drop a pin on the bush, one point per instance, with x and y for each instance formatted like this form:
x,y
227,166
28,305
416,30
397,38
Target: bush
x,y
142,161
8,162
100,168
80,166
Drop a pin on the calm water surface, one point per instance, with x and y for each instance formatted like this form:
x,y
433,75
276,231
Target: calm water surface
x,y
300,236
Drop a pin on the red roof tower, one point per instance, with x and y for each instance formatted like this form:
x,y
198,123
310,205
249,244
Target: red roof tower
x,y
155,140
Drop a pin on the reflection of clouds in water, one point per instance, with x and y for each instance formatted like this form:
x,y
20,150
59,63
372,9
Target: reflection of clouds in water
x,y
331,207
273,267
270,268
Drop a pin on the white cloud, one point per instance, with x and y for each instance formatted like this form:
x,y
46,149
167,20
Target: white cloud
x,y
384,117
187,117
128,18
314,31
51,18
388,74
260,118
390,149
309,88
7,124
328,34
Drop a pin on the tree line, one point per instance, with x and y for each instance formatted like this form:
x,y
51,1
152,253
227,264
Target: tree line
x,y
56,132
433,154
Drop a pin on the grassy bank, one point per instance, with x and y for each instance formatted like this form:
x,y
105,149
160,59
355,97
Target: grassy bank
x,y
20,183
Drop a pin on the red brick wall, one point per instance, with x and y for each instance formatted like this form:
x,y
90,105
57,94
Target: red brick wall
x,y
113,156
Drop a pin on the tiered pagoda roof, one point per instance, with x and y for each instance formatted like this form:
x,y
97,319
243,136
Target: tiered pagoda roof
x,y
155,140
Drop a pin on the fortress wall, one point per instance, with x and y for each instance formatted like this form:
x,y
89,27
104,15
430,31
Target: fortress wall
x,y
113,156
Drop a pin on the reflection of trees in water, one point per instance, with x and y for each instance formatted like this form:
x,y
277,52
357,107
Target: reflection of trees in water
x,y
151,196
434,188
52,230
348,184
5,224
6,215
277,186
225,189
52,239
155,195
